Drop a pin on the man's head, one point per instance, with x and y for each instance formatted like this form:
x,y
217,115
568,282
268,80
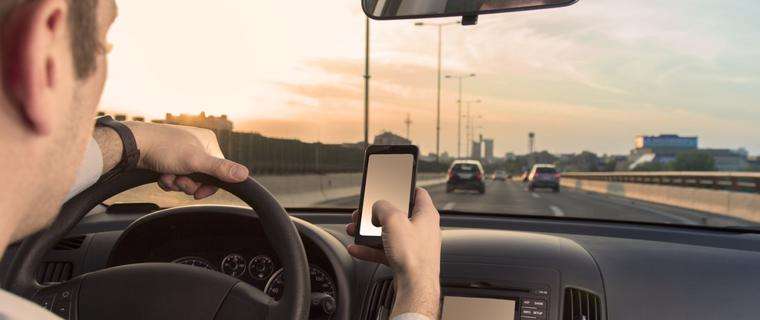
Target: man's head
x,y
53,62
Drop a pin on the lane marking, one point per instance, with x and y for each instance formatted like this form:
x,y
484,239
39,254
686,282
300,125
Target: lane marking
x,y
557,211
449,206
535,195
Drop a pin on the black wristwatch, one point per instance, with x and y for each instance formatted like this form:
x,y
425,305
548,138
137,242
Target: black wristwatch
x,y
130,154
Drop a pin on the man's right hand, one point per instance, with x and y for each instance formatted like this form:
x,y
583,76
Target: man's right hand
x,y
412,248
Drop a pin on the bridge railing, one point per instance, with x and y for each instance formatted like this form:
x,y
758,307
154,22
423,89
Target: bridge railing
x,y
729,181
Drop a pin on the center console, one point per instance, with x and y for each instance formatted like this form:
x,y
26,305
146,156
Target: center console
x,y
504,275
486,304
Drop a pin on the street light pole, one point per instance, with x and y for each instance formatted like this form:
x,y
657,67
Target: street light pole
x,y
459,118
459,122
438,101
366,83
468,129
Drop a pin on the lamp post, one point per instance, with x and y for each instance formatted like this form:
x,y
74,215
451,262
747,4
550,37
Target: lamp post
x,y
438,101
366,82
468,129
459,117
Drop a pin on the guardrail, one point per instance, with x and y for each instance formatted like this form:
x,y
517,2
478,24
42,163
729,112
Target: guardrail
x,y
729,181
732,194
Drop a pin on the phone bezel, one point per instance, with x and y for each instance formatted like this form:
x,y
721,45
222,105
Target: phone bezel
x,y
377,241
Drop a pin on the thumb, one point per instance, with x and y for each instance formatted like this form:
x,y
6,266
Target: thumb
x,y
222,169
384,213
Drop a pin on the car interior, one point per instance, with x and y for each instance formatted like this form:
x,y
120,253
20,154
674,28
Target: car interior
x,y
261,258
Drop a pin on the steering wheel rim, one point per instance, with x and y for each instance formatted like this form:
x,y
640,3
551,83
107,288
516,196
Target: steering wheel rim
x,y
278,228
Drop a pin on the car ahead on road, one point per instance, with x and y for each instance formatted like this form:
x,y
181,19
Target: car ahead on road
x,y
543,176
466,175
500,175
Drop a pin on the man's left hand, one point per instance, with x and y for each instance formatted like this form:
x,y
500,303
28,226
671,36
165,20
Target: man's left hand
x,y
176,151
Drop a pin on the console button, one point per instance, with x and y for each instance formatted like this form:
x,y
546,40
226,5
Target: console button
x,y
61,308
46,302
542,292
538,313
534,303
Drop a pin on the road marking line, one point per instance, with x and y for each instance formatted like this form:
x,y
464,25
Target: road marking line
x,y
535,195
557,211
449,206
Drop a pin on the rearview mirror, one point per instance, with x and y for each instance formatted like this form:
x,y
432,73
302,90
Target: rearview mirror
x,y
469,9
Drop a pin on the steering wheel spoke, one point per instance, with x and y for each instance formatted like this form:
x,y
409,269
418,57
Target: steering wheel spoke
x,y
247,302
60,299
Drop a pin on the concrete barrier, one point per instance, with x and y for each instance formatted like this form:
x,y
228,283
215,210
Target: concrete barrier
x,y
290,190
734,204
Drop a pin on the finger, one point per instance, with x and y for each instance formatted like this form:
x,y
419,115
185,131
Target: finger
x,y
355,216
187,185
205,191
424,208
222,169
367,254
351,229
384,214
163,186
168,181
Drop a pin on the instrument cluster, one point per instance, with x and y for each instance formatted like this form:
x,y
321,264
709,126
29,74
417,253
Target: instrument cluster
x,y
264,272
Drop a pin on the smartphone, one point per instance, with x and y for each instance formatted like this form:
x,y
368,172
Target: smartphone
x,y
390,174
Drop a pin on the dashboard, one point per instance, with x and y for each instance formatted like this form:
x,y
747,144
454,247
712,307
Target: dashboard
x,y
493,267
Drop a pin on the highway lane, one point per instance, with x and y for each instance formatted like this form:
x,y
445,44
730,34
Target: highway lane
x,y
513,198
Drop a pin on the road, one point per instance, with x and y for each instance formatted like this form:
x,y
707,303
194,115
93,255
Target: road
x,y
512,197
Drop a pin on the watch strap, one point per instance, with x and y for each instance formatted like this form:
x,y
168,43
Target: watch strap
x,y
130,153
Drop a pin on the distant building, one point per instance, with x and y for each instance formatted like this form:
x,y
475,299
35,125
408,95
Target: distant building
x,y
390,138
662,149
667,141
754,163
430,157
202,121
476,152
488,143
728,160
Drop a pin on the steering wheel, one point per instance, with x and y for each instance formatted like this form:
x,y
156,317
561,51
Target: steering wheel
x,y
165,290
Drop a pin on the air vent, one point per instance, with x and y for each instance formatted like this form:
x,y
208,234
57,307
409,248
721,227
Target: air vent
x,y
72,243
379,301
581,305
54,272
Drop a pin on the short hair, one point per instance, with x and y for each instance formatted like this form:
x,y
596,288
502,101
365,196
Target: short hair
x,y
83,23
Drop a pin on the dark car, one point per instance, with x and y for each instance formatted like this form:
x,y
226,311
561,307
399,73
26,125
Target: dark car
x,y
466,175
544,176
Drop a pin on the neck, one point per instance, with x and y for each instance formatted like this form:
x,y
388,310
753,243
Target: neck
x,y
14,170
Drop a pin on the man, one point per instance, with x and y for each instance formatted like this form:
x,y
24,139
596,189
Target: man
x,y
53,64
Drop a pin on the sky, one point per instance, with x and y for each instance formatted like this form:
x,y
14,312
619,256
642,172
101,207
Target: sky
x,y
587,77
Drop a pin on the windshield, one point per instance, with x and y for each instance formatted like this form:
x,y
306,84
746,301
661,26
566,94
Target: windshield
x,y
464,168
604,90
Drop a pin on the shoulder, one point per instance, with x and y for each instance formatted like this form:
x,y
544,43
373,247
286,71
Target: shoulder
x,y
13,307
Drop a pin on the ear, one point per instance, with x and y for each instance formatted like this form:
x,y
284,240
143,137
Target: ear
x,y
34,47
